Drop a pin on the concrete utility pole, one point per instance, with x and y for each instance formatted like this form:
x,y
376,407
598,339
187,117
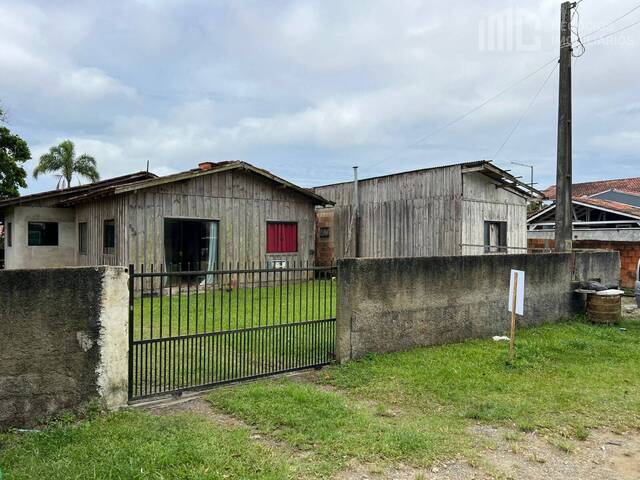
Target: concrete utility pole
x,y
564,219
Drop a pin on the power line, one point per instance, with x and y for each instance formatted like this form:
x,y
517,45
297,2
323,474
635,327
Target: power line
x,y
612,22
612,33
465,115
524,114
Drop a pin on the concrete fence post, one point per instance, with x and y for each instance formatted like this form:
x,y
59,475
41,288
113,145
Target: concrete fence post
x,y
113,340
344,309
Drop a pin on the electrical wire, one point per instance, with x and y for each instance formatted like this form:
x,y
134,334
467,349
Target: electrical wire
x,y
586,42
579,41
575,30
612,21
465,115
524,114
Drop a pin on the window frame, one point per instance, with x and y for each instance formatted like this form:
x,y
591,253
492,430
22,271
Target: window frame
x,y
108,249
282,252
503,229
9,234
83,240
57,234
324,232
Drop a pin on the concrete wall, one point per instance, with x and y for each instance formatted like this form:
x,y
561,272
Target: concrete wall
x,y
21,255
65,341
387,305
629,253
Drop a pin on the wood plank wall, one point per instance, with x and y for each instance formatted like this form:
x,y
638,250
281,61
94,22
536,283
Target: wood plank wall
x,y
410,214
241,202
481,202
94,214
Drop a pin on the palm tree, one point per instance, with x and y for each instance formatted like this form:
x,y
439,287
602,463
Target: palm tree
x,y
62,158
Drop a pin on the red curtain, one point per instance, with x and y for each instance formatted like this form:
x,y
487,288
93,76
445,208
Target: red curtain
x,y
282,237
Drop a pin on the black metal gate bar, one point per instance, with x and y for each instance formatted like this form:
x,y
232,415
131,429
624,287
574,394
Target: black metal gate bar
x,y
195,329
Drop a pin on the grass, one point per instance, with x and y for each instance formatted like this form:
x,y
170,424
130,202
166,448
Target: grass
x,y
136,445
412,408
566,377
234,352
335,429
415,407
182,312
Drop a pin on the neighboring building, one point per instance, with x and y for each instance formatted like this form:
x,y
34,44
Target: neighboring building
x,y
219,214
464,209
606,215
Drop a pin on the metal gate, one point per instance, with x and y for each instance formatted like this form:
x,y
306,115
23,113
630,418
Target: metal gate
x,y
195,329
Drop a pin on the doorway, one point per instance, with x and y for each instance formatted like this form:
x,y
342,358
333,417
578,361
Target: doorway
x,y
190,245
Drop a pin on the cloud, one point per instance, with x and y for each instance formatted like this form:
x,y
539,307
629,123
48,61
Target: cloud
x,y
308,88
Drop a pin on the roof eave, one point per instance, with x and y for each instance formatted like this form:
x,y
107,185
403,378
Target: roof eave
x,y
510,182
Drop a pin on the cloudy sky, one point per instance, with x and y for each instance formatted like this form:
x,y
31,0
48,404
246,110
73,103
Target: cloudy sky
x,y
308,88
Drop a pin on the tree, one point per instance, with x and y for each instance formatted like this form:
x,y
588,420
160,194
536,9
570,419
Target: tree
x,y
13,153
62,158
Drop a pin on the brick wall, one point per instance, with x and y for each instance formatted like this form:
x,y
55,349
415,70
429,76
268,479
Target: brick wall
x,y
324,245
629,255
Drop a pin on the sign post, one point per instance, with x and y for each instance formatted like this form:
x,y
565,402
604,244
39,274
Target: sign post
x,y
516,305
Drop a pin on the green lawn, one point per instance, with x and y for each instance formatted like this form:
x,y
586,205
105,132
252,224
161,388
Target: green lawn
x,y
183,312
237,352
137,445
411,408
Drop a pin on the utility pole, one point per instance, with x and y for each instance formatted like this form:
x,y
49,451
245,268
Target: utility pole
x,y
564,219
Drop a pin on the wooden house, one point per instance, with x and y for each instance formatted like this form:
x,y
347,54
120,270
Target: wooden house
x,y
464,209
216,215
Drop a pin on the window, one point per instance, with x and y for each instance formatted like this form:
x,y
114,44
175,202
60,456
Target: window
x,y
82,238
42,234
109,237
282,237
324,232
495,237
9,234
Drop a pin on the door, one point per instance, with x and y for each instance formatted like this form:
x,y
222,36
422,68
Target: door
x,y
190,245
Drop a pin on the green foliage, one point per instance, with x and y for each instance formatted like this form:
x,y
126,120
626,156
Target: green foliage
x,y
136,445
13,153
62,158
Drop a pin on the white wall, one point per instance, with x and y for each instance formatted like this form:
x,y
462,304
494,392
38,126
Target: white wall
x,y
20,255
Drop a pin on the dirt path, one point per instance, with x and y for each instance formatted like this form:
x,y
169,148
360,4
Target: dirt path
x,y
604,455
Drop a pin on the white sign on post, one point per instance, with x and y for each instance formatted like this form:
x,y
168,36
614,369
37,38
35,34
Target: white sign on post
x,y
519,291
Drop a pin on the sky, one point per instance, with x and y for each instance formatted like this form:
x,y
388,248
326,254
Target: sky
x,y
309,88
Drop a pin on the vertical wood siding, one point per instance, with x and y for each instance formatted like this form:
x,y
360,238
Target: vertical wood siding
x,y
426,213
481,202
241,202
94,214
410,214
